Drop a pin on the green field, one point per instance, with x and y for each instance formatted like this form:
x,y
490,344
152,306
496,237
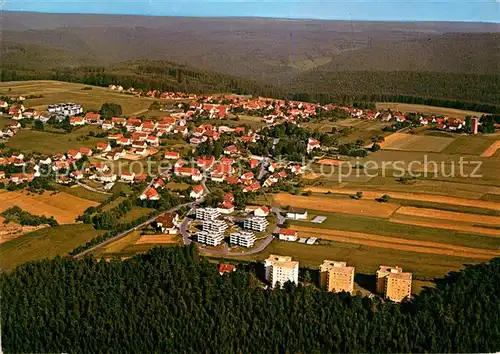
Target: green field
x,y
81,192
371,225
44,243
134,214
365,259
58,92
52,143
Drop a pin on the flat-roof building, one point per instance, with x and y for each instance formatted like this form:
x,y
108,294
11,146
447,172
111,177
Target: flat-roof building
x,y
207,213
214,226
393,283
210,238
336,276
280,269
256,223
242,238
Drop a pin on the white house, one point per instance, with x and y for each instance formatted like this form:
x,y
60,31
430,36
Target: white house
x,y
197,192
288,235
297,214
168,223
127,177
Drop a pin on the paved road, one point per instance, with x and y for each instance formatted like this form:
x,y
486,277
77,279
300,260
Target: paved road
x,y
83,185
183,229
226,252
263,168
280,219
125,233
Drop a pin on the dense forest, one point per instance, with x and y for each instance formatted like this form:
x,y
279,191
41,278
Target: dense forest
x,y
172,300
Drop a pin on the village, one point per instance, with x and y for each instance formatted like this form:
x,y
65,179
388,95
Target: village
x,y
212,155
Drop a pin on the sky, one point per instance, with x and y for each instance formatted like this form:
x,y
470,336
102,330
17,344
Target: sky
x,y
403,10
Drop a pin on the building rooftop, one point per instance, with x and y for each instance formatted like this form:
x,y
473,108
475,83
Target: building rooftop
x,y
282,261
403,276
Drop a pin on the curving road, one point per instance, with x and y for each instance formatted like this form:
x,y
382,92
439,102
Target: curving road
x,y
226,252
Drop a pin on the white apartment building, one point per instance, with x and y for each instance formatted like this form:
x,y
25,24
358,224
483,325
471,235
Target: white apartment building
x,y
214,226
210,238
280,269
256,223
207,214
242,238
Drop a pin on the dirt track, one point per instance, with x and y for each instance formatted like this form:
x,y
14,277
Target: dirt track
x,y
449,215
446,225
157,239
349,206
490,151
433,198
395,243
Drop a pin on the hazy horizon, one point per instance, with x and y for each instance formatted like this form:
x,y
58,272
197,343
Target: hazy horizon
x,y
409,11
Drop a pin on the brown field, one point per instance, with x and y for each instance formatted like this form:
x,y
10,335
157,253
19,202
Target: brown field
x,y
449,215
492,149
395,243
157,239
330,162
62,206
433,198
420,108
357,207
409,142
12,230
446,225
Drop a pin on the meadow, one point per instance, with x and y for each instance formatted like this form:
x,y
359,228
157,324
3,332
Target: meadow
x,y
50,143
44,244
58,92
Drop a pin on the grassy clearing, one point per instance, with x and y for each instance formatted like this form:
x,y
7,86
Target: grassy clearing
x,y
419,108
177,186
469,145
44,243
117,246
56,92
134,214
365,259
49,143
83,193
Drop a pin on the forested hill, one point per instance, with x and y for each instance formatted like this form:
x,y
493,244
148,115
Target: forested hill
x,y
172,301
448,53
140,74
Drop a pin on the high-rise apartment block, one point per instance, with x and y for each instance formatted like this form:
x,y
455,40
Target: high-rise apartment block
x,y
393,283
336,276
280,269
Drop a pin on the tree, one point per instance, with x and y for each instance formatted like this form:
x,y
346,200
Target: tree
x,y
375,147
38,125
109,110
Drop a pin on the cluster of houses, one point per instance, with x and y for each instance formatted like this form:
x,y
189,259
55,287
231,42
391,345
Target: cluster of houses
x,y
213,228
